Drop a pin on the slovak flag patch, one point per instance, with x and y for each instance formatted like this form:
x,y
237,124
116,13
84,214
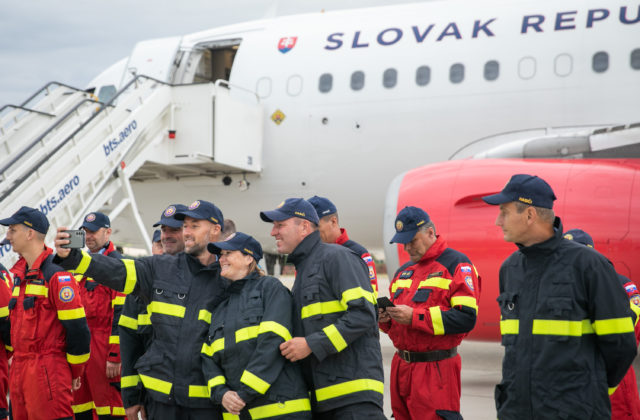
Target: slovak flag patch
x,y
287,43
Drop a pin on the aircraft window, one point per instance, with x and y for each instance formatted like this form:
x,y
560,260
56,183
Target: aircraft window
x,y
491,70
563,65
456,73
263,87
600,62
635,59
527,68
106,93
390,78
325,83
423,75
294,85
357,80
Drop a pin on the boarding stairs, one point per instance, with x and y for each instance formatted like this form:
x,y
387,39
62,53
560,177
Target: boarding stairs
x,y
69,154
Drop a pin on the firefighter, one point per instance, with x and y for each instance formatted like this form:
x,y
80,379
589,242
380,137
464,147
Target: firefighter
x,y
241,357
50,336
436,305
5,336
625,402
566,324
332,233
135,325
100,390
335,331
180,291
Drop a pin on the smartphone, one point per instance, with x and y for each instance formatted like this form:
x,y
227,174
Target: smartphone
x,y
384,302
76,239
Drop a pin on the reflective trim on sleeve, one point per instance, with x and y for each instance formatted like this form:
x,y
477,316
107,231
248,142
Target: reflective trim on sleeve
x,y
561,327
636,310
349,387
401,284
129,381
132,276
205,316
155,384
357,293
319,308
84,263
254,382
199,391
118,300
144,319
77,359
613,326
215,381
438,282
229,416
114,339
118,411
33,289
67,314
436,320
280,409
467,301
248,333
16,291
509,326
128,322
211,349
81,408
335,337
4,311
612,390
166,309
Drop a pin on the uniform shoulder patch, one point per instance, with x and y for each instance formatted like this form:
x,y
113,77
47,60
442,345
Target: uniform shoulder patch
x,y
465,269
66,294
469,281
64,279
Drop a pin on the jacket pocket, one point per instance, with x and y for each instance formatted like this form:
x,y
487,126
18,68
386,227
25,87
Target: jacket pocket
x,y
509,317
254,309
421,295
168,304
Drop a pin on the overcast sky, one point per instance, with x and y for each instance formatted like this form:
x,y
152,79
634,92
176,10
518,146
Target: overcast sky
x,y
72,41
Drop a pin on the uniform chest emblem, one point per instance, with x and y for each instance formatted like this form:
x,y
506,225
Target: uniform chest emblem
x,y
406,274
67,294
436,274
469,281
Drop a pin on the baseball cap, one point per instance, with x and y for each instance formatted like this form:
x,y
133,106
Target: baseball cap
x,y
580,236
408,222
168,216
29,217
156,235
523,188
96,220
323,206
5,241
291,207
238,242
202,210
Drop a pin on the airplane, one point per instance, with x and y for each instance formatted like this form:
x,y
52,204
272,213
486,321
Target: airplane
x,y
333,104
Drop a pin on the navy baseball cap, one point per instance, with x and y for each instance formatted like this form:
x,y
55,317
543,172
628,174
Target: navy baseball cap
x,y
238,242
291,207
580,236
202,210
408,222
96,220
168,216
523,188
323,206
29,217
156,235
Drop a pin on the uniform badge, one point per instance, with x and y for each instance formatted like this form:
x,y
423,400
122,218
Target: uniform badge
x,y
90,217
436,274
194,205
568,236
631,289
635,299
67,294
64,279
465,269
399,225
372,274
469,281
170,211
287,43
278,116
367,259
406,274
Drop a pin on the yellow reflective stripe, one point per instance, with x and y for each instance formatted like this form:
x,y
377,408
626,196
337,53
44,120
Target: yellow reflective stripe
x,y
119,411
103,410
205,316
66,314
155,384
118,300
215,381
279,409
467,301
33,289
114,339
254,382
247,333
128,322
322,308
475,270
132,276
357,293
210,349
613,326
509,326
349,387
129,381
166,309
144,319
436,320
612,390
84,263
16,291
274,327
335,337
77,359
636,310
79,408
406,283
4,311
199,391
8,348
229,416
439,282
561,327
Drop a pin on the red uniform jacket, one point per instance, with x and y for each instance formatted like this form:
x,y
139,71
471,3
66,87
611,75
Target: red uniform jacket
x,y
344,240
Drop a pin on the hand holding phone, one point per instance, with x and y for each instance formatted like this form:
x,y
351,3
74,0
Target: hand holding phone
x,y
76,239
384,302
